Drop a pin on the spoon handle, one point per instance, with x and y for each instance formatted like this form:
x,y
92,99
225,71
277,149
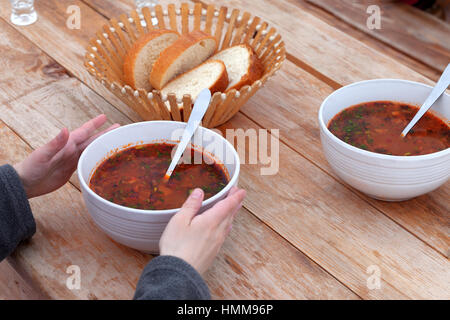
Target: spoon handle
x,y
438,90
200,106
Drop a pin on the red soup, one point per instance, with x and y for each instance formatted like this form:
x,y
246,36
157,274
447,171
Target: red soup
x,y
376,126
134,178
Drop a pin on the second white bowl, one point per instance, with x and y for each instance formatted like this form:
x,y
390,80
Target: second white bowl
x,y
385,177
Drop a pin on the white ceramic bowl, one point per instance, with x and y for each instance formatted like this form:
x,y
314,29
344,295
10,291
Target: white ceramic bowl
x,y
384,177
142,229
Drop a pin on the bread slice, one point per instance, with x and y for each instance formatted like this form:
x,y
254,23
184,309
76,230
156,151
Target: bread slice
x,y
140,57
211,74
243,66
184,54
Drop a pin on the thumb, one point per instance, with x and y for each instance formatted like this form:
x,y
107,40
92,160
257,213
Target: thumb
x,y
48,151
192,204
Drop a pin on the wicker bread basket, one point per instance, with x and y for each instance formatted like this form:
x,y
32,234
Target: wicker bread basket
x,y
104,57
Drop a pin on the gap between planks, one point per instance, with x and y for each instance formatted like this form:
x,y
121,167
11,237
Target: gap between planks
x,y
69,73
87,3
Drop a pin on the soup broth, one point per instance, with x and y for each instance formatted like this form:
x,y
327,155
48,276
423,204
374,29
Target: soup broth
x,y
134,178
377,126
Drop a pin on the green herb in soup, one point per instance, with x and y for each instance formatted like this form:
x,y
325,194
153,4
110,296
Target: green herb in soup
x,y
376,126
134,178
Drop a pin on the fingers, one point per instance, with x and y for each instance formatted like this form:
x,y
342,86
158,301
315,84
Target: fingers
x,y
83,145
225,210
48,151
83,133
233,190
192,204
229,220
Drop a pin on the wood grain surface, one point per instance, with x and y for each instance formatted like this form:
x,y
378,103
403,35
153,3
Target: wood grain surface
x,y
332,55
302,233
67,102
404,27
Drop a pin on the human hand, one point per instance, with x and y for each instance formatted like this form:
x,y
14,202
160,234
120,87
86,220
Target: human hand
x,y
197,239
51,166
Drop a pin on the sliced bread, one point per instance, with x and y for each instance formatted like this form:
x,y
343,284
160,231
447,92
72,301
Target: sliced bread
x,y
211,74
140,57
243,66
184,54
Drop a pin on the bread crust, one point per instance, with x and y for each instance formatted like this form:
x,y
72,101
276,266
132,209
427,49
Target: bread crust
x,y
218,86
173,52
133,52
222,83
255,70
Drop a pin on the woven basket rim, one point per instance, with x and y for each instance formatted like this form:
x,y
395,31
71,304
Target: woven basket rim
x,y
101,55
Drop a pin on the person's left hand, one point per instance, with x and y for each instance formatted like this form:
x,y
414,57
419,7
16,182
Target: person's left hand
x,y
51,166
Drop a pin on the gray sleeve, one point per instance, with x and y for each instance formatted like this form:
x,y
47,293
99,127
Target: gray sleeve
x,y
16,220
171,278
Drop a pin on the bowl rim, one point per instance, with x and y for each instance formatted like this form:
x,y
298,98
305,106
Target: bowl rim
x,y
372,154
84,185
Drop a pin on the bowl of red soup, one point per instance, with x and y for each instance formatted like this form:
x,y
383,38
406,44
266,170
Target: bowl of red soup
x,y
360,127
122,178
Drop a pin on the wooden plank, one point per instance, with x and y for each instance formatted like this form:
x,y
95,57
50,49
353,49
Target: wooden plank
x,y
369,41
114,8
290,101
110,8
66,235
408,29
328,53
255,263
27,67
339,231
14,287
52,16
61,103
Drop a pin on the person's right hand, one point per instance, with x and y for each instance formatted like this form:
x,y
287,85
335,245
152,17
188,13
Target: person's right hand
x,y
197,239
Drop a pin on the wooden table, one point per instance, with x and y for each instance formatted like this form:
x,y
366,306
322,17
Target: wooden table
x,y
302,233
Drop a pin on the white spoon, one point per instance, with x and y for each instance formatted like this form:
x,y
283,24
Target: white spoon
x,y
438,90
200,106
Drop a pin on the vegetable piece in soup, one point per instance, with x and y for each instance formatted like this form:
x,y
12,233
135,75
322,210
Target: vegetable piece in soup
x,y
134,178
376,126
